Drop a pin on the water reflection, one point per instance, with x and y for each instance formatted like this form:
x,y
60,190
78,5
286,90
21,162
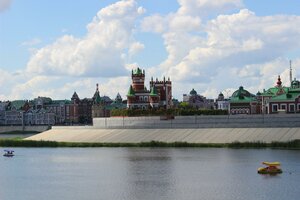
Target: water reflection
x,y
149,173
146,173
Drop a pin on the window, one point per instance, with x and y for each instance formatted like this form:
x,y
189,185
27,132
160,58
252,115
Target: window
x,y
298,107
274,107
283,106
292,107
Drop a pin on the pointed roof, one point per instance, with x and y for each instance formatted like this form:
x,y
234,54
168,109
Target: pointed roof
x,y
96,97
75,95
118,98
17,104
137,71
130,92
153,91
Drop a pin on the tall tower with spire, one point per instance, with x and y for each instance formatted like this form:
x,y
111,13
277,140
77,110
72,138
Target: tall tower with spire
x,y
291,73
98,108
159,95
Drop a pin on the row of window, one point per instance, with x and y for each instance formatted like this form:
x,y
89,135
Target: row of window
x,y
285,107
240,111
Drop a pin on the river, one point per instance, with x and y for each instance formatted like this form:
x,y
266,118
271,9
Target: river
x,y
147,174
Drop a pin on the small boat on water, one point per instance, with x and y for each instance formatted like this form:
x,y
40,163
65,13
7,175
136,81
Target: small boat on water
x,y
271,168
8,153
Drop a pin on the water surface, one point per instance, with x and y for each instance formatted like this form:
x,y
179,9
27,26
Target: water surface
x,y
147,174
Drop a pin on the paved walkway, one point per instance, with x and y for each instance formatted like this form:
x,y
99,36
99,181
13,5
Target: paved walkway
x,y
208,135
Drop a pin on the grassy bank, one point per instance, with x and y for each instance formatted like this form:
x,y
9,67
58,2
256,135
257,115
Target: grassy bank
x,y
19,132
29,143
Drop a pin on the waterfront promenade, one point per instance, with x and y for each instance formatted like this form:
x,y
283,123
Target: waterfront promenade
x,y
205,135
191,129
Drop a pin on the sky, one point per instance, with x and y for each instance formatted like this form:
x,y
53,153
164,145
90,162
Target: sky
x,y
53,48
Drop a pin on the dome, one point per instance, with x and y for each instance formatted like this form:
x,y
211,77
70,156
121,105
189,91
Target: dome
x,y
193,92
241,92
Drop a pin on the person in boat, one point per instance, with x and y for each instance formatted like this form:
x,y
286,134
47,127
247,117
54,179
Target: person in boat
x,y
8,153
271,168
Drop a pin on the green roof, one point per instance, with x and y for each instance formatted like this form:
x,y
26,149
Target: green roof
x,y
241,92
193,92
97,98
241,99
285,97
116,105
137,71
18,104
153,91
274,90
130,92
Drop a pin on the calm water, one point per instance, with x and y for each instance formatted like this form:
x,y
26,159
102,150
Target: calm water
x,y
146,173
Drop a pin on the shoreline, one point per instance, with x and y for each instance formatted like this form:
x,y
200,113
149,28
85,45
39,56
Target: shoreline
x,y
290,145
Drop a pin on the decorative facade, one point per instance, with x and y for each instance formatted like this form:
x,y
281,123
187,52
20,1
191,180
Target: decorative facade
x,y
280,99
222,103
198,101
242,102
164,90
277,99
99,107
159,95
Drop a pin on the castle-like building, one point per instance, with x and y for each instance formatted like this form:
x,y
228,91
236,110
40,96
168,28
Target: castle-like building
x,y
139,97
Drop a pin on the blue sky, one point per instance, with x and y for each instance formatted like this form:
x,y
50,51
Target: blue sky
x,y
47,49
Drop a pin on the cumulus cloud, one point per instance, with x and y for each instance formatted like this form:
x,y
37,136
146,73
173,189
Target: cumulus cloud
x,y
203,7
211,45
206,51
102,52
135,48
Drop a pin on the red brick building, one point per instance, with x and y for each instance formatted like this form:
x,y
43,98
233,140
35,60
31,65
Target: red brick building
x,y
159,95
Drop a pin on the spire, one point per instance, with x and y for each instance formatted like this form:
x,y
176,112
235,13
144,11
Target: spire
x,y
96,97
291,72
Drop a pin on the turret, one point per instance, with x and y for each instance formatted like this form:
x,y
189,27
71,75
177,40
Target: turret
x,y
279,82
138,79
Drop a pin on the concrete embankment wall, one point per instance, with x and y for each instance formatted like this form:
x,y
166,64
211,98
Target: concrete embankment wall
x,y
192,129
203,135
227,121
5,129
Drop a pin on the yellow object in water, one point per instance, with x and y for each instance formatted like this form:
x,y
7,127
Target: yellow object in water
x,y
271,163
272,168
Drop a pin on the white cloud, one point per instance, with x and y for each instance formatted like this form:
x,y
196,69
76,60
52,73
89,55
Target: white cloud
x,y
4,5
233,46
135,48
203,7
211,46
102,52
154,23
